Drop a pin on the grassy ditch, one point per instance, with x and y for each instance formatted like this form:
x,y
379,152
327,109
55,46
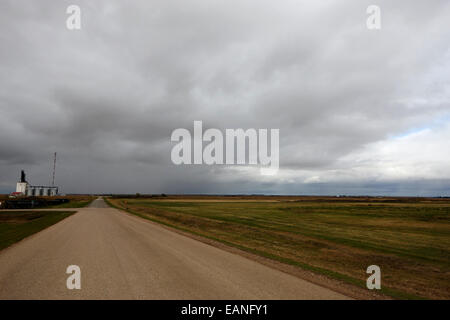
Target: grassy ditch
x,y
17,225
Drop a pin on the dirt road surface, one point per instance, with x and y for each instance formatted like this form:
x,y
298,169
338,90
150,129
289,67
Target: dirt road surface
x,y
125,257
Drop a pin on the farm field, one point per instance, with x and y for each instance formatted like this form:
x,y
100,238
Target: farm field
x,y
75,201
17,225
409,238
70,201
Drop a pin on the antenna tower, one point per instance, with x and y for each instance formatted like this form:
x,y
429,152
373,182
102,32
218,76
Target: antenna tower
x,y
54,168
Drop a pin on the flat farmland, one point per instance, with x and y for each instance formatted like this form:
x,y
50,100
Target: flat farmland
x,y
75,201
408,238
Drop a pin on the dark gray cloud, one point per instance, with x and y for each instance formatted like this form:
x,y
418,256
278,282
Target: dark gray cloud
x,y
347,100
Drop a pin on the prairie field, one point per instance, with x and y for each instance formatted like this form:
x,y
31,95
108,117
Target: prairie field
x,y
408,238
75,201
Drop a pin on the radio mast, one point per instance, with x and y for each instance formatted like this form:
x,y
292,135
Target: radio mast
x,y
54,168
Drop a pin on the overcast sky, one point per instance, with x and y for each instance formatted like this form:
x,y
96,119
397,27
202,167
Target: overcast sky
x,y
359,111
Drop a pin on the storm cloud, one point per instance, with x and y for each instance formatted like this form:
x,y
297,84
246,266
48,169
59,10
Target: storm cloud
x,y
359,111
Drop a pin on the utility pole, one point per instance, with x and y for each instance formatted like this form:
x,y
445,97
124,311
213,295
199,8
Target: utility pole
x,y
54,168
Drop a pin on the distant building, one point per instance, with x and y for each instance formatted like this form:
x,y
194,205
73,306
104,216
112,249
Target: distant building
x,y
25,189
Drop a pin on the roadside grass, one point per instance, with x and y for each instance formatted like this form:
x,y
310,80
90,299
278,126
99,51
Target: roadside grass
x,y
17,225
410,241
